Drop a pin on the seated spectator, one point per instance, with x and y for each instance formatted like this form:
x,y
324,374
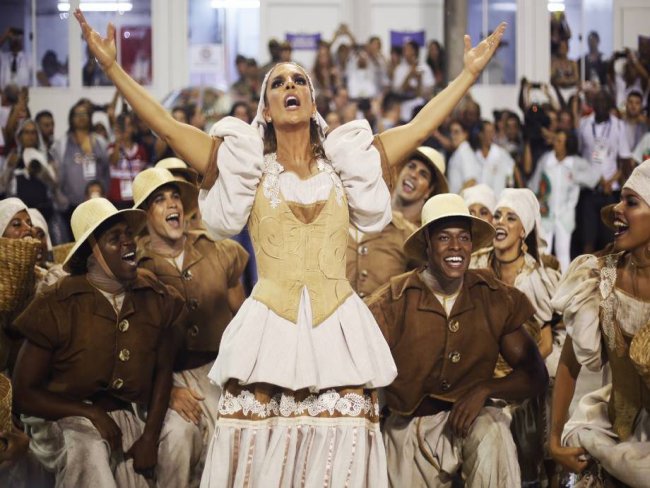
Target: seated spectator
x,y
28,174
564,72
498,168
464,168
436,61
556,182
412,79
636,124
15,64
459,320
93,394
53,73
127,158
595,67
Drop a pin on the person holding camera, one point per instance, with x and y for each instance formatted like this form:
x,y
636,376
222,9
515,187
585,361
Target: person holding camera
x,y
15,67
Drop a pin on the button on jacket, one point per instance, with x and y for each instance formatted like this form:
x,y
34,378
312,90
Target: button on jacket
x,y
93,349
439,356
209,269
378,256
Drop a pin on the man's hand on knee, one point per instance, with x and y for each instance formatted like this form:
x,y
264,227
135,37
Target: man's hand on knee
x,y
466,409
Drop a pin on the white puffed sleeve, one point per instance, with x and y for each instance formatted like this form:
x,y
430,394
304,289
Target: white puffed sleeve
x,y
578,300
226,206
357,161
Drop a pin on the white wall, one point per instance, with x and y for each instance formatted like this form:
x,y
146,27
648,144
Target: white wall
x,y
631,19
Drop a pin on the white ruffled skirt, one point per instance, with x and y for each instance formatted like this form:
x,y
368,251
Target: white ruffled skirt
x,y
299,406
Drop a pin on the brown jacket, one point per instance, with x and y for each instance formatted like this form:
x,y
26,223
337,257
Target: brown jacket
x,y
378,256
209,269
439,356
95,351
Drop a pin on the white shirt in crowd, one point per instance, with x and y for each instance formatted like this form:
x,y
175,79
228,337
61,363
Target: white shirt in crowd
x,y
22,75
498,168
463,167
642,149
601,144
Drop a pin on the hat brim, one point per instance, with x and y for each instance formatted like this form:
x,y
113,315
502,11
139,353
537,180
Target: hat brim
x,y
441,184
136,219
186,174
189,195
415,246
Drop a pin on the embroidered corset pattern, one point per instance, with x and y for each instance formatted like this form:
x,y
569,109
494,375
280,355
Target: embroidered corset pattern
x,y
293,253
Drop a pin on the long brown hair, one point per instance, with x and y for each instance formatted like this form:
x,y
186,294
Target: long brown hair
x,y
271,142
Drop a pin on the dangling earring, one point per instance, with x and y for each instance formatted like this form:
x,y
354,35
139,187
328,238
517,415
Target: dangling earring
x,y
269,120
524,247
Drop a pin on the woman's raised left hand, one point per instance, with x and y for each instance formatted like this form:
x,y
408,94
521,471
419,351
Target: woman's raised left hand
x,y
476,58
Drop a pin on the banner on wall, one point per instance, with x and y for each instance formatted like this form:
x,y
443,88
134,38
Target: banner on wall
x,y
399,38
303,42
135,50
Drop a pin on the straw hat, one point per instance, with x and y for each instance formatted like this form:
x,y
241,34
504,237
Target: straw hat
x,y
89,215
443,206
178,167
437,164
149,180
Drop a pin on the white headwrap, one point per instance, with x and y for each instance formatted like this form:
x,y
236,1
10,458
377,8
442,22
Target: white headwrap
x,y
525,204
260,123
39,221
8,208
639,181
481,194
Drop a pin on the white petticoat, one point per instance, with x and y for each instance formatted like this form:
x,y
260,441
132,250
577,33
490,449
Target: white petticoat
x,y
347,348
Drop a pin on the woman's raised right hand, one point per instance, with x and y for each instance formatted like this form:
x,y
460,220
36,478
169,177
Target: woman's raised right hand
x,y
103,48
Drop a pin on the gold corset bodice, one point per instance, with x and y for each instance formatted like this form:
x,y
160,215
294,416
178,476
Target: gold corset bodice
x,y
300,246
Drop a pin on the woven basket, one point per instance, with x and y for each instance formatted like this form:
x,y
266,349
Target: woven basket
x,y
61,251
640,353
17,260
5,404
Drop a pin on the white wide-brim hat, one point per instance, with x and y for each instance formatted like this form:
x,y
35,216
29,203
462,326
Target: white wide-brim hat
x,y
443,206
437,164
148,181
92,213
179,168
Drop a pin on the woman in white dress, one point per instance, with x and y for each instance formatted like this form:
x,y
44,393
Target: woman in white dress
x,y
606,306
300,362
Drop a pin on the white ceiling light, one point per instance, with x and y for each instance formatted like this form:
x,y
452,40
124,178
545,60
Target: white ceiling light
x,y
235,4
98,6
556,6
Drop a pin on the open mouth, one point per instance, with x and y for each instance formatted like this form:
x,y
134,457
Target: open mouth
x,y
291,101
621,228
454,261
408,186
174,220
129,257
500,235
